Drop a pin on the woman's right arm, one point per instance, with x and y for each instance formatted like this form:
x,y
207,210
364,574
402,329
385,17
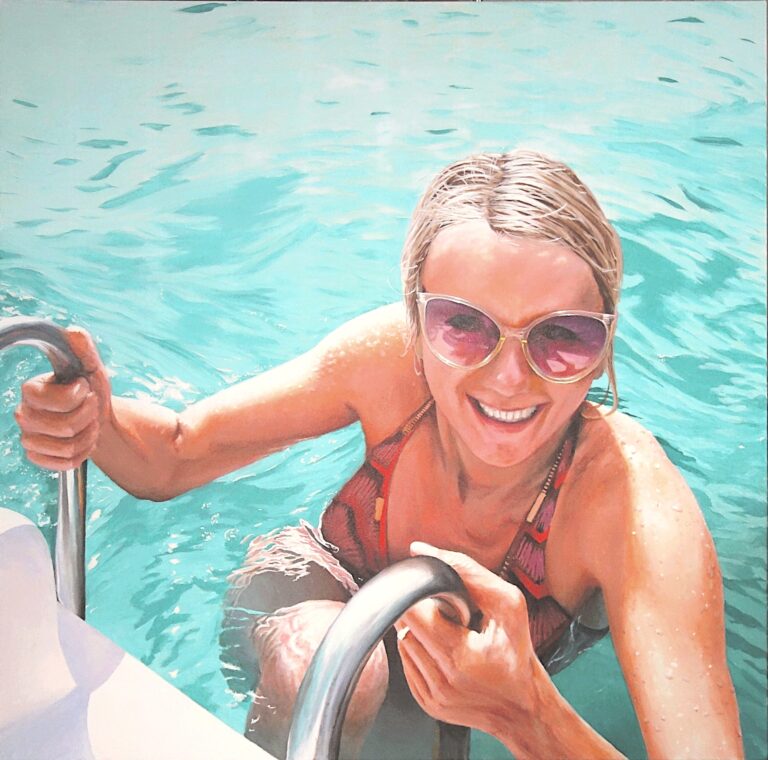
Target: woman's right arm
x,y
155,453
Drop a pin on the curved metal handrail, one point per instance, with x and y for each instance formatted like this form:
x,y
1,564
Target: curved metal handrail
x,y
323,698
69,554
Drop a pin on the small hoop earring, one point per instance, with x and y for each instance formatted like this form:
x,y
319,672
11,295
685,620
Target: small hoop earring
x,y
418,365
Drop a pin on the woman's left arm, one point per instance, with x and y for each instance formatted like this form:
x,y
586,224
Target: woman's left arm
x,y
664,597
491,679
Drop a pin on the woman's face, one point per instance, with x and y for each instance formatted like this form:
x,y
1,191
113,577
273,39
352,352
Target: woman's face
x,y
516,280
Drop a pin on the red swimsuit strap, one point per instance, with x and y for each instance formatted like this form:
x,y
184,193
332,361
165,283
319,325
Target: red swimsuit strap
x,y
383,458
526,554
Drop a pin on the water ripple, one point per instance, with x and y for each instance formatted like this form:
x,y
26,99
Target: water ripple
x,y
103,144
200,269
164,178
113,163
203,8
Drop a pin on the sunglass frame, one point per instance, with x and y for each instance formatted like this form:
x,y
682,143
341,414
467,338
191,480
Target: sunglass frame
x,y
522,333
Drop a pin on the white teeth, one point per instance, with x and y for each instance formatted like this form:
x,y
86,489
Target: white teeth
x,y
515,415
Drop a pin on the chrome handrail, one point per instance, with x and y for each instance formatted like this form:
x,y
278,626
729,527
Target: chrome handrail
x,y
69,553
324,695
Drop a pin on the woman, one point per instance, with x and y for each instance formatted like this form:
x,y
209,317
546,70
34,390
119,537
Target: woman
x,y
479,441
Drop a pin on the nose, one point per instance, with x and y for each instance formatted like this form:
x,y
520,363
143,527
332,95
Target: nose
x,y
510,368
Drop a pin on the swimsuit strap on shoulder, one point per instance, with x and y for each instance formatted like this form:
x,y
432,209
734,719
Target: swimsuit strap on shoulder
x,y
383,456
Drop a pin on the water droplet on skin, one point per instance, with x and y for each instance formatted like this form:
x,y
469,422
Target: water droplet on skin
x,y
658,631
669,674
695,708
676,508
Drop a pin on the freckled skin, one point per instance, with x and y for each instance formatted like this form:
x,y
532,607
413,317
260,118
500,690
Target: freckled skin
x,y
626,522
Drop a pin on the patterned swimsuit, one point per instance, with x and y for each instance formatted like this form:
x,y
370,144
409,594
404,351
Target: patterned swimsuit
x,y
356,522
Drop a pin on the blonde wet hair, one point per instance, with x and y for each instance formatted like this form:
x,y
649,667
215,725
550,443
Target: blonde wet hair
x,y
521,193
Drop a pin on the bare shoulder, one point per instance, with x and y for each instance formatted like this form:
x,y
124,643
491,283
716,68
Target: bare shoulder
x,y
381,328
373,353
635,506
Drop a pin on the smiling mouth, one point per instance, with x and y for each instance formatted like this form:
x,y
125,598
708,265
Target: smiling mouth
x,y
508,416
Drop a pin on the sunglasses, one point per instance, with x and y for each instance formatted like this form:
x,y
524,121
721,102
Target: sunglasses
x,y
562,347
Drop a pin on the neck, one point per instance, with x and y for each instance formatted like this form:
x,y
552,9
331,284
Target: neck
x,y
520,482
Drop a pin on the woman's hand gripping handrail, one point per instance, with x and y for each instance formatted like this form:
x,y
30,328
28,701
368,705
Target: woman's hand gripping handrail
x,y
326,690
69,556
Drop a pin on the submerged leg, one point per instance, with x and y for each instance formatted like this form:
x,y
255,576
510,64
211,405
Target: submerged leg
x,y
284,644
278,609
281,569
272,629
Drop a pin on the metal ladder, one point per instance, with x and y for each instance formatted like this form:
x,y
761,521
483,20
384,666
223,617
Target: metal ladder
x,y
69,554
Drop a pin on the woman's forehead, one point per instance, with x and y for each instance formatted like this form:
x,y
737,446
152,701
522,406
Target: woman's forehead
x,y
518,278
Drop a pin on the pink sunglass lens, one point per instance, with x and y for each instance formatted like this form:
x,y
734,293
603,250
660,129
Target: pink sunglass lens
x,y
566,346
459,333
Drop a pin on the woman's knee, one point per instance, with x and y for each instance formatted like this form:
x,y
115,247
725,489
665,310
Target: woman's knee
x,y
284,645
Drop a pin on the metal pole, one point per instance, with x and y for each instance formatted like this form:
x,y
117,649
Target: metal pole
x,y
69,554
324,695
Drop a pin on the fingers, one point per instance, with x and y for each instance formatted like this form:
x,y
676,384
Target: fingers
x,y
59,424
486,589
434,632
414,676
59,464
440,691
69,450
85,349
43,393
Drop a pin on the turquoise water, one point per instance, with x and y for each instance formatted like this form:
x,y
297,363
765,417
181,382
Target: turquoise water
x,y
210,189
